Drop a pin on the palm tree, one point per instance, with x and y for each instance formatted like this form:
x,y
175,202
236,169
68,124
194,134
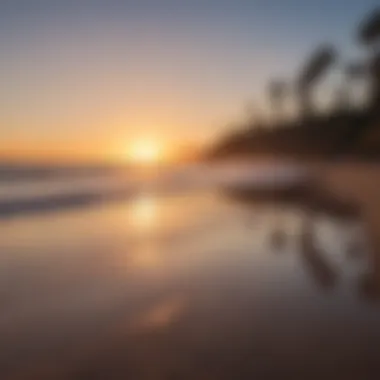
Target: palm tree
x,y
342,98
277,93
354,72
369,30
369,35
314,70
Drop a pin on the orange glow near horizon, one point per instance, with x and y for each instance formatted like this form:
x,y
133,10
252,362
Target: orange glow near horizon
x,y
145,152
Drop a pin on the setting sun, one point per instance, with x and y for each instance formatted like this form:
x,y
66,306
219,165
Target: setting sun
x,y
145,152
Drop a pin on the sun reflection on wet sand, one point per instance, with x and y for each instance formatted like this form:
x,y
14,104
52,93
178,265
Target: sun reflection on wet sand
x,y
146,257
191,283
143,217
160,315
143,212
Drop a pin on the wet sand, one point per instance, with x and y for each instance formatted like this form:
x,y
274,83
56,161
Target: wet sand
x,y
197,286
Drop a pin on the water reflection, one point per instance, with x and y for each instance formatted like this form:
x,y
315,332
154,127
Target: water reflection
x,y
369,282
331,238
143,212
196,287
145,257
315,263
160,315
143,220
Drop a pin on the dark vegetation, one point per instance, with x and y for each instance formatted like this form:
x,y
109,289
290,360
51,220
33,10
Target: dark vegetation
x,y
347,129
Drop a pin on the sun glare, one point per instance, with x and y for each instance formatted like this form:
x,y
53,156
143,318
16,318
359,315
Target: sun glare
x,y
145,152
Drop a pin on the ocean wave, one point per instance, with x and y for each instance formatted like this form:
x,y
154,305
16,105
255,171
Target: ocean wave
x,y
59,202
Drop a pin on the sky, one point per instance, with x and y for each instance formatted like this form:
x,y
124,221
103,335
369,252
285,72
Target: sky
x,y
85,78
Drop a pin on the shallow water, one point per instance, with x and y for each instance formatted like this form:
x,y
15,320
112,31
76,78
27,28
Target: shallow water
x,y
194,285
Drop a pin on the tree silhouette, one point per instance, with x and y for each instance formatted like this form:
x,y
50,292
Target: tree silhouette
x,y
354,72
343,99
314,70
369,30
277,92
369,35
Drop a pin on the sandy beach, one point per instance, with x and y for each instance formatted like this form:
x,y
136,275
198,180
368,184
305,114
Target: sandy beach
x,y
194,285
